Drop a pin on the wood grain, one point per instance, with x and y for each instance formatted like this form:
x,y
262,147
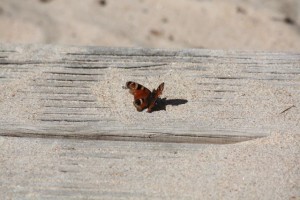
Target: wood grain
x,y
59,103
41,168
210,96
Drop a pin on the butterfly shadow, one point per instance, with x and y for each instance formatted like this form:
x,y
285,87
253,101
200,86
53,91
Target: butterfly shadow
x,y
161,104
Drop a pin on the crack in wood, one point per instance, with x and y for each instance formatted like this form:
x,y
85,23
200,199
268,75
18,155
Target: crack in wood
x,y
90,67
69,120
144,66
73,73
69,100
287,109
165,138
70,80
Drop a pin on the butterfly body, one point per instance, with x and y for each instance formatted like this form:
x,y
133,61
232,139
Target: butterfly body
x,y
143,97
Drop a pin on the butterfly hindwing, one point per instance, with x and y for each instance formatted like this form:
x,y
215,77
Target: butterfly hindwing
x,y
140,104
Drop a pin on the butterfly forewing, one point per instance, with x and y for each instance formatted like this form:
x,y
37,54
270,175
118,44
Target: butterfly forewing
x,y
159,90
140,93
155,94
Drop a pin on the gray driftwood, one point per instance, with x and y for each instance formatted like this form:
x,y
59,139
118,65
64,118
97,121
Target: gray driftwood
x,y
209,96
58,104
36,168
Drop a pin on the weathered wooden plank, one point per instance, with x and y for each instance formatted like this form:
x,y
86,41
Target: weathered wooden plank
x,y
210,96
35,168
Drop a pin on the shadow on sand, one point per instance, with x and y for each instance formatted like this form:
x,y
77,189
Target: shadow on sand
x,y
161,104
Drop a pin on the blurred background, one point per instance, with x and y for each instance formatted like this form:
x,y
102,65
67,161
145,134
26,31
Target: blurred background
x,y
272,25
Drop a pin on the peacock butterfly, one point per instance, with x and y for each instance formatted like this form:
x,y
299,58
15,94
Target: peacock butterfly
x,y
143,97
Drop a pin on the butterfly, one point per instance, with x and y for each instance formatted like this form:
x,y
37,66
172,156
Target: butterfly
x,y
143,97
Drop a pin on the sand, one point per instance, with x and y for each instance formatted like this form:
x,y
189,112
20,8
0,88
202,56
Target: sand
x,y
271,163
216,24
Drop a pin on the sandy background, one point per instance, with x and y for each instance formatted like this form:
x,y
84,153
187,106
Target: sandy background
x,y
212,24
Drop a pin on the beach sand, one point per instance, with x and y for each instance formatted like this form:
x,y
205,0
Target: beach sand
x,y
266,167
215,24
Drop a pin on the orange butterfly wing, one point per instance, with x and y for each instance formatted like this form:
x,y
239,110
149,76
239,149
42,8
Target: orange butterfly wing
x,y
155,94
141,95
